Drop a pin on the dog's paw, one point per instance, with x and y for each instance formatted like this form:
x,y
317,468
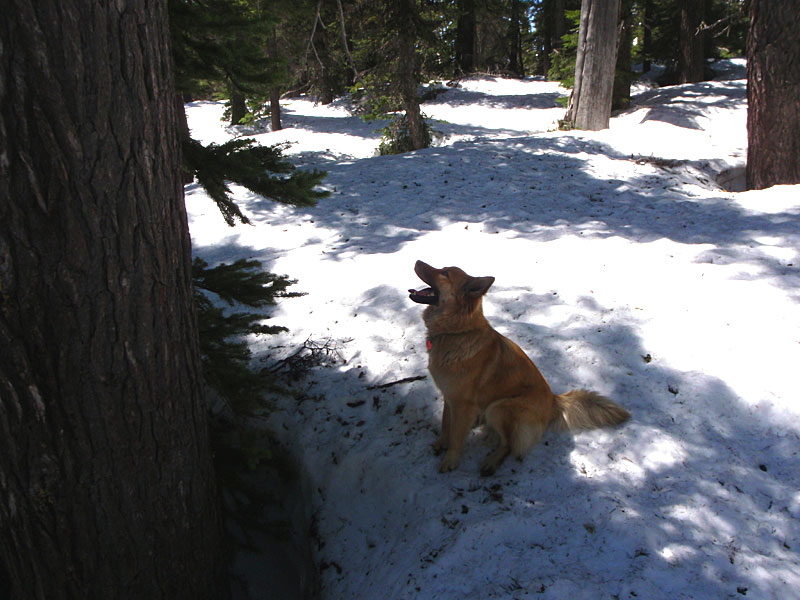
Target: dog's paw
x,y
449,462
488,468
494,460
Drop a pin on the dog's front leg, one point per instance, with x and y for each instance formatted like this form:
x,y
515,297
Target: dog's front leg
x,y
440,445
462,418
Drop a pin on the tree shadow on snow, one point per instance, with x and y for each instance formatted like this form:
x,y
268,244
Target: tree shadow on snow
x,y
697,483
554,194
462,97
686,105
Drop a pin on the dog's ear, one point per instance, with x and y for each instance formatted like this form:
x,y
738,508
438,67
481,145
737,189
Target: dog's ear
x,y
476,287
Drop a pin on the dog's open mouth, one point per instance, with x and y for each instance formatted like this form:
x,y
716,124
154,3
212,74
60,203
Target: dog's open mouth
x,y
424,296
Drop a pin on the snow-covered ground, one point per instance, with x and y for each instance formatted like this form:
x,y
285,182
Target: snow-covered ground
x,y
621,266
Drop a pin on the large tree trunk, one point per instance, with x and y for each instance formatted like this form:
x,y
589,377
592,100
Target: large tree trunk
x,y
590,102
773,90
184,135
106,482
691,59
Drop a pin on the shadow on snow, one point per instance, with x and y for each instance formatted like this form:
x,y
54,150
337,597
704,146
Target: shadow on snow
x,y
469,182
671,492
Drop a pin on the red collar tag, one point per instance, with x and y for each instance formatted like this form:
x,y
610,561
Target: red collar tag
x,y
428,345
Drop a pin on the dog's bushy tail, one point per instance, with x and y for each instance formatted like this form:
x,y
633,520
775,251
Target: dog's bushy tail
x,y
583,409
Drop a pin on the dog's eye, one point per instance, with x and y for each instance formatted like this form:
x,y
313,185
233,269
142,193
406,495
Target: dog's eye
x,y
446,273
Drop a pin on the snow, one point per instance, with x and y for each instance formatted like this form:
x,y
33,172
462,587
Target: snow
x,y
620,266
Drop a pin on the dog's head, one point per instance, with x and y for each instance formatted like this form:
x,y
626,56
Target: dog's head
x,y
451,292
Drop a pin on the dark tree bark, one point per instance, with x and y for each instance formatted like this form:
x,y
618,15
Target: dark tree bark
x,y
184,135
325,80
406,21
691,58
553,27
106,482
624,70
590,102
773,90
559,22
515,62
238,106
275,108
647,33
544,29
465,36
275,90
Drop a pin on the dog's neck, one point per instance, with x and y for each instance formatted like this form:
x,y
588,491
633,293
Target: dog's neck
x,y
439,325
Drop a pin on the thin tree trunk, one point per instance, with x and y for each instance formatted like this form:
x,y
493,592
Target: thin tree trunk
x,y
408,72
545,30
238,105
559,23
515,62
465,36
326,82
275,90
580,60
554,26
773,89
106,482
590,102
691,59
647,35
624,70
275,108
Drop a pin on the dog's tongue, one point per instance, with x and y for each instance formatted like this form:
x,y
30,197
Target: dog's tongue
x,y
423,296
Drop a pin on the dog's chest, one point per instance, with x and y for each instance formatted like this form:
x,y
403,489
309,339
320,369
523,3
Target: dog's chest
x,y
451,367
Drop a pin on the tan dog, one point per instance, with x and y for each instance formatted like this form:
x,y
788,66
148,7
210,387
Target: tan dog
x,y
484,374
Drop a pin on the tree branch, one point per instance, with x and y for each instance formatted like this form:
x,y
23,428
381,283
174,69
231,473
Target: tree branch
x,y
382,386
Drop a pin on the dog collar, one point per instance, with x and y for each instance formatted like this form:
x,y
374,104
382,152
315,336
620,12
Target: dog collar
x,y
428,345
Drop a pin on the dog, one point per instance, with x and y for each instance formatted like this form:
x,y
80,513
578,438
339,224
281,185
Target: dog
x,y
483,375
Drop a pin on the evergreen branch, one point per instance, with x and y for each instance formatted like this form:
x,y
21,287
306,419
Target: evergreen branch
x,y
243,282
244,162
218,40
225,352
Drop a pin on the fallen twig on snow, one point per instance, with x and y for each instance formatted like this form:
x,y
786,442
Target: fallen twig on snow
x,y
381,386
